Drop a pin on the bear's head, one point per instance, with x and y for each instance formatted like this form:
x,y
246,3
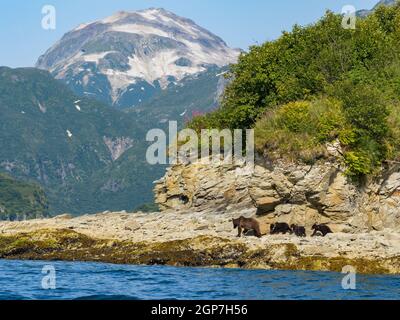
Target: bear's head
x,y
236,223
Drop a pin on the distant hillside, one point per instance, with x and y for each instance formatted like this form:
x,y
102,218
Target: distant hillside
x,y
194,95
20,200
87,156
49,135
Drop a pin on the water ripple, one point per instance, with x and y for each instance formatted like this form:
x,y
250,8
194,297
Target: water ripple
x,y
21,280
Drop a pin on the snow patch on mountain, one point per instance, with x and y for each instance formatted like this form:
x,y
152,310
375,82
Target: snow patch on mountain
x,y
139,29
113,54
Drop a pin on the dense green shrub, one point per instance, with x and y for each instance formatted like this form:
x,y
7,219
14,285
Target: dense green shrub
x,y
277,86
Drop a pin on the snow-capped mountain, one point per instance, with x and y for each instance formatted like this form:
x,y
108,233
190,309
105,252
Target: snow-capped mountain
x,y
126,58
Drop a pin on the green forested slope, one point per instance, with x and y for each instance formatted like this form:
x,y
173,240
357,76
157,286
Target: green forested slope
x,y
44,137
21,200
53,137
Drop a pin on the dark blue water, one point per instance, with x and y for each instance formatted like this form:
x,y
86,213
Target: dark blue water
x,y
75,280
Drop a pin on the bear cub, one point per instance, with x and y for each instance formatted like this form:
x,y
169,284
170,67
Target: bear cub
x,y
277,228
320,229
299,231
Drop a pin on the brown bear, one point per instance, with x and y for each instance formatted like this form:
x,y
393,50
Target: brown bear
x,y
247,224
299,231
321,229
277,228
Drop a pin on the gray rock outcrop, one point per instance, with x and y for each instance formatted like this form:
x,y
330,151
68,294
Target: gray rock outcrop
x,y
293,193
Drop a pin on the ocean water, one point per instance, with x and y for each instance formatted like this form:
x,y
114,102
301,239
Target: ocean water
x,y
75,280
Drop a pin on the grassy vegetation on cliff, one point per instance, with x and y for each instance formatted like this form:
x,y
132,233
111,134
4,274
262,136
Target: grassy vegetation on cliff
x,y
321,83
299,130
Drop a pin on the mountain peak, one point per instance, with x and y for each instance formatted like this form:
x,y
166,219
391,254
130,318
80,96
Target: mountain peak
x,y
385,3
364,13
128,51
148,12
153,10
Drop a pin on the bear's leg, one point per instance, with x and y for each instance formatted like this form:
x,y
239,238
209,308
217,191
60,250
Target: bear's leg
x,y
314,233
240,232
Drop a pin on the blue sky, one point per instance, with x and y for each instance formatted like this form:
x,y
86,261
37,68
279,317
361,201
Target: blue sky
x,y
240,23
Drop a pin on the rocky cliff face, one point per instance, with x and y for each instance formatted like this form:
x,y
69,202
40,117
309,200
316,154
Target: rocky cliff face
x,y
292,193
118,146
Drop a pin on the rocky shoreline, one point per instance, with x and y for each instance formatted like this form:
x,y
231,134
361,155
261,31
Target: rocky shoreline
x,y
200,239
194,227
